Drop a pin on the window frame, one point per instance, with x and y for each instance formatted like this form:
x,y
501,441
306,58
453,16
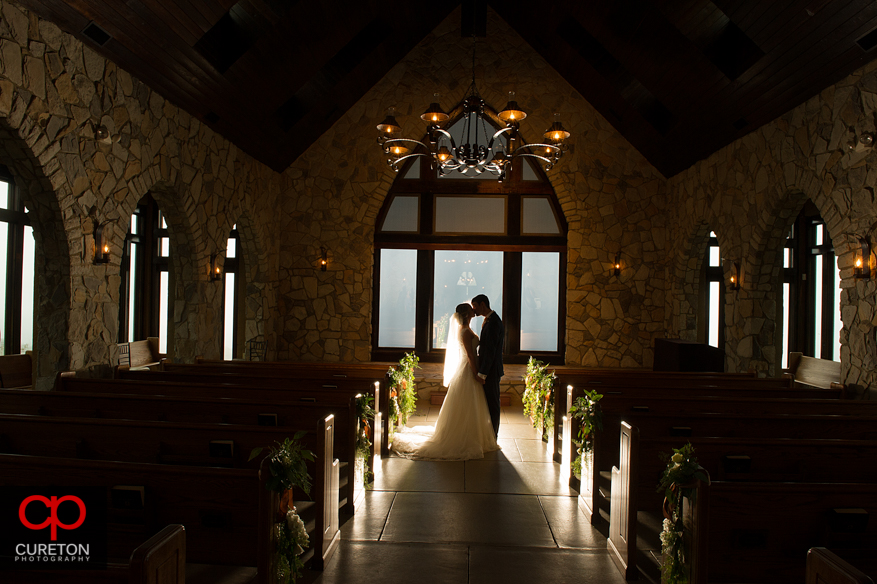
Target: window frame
x,y
513,243
710,274
16,218
232,266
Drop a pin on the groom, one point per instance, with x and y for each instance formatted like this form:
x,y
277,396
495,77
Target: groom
x,y
490,355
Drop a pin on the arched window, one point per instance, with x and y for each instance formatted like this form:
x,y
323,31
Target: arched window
x,y
440,240
711,329
16,270
230,310
811,290
145,287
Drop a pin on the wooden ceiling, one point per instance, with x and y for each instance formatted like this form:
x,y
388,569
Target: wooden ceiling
x,y
678,78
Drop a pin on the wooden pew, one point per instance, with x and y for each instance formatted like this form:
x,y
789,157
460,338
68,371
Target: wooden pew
x,y
811,372
826,567
165,443
226,512
335,396
16,370
159,560
374,370
140,355
635,398
804,466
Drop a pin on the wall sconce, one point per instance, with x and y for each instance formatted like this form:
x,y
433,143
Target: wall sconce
x,y
863,260
617,264
735,276
101,246
324,259
215,268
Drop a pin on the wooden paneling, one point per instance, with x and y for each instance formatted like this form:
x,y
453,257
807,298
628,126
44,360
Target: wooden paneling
x,y
661,78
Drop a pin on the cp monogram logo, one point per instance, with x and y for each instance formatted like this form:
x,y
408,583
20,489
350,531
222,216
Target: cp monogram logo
x,y
53,521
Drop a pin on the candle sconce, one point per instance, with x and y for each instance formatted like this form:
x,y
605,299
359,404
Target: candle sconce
x,y
324,259
216,268
735,277
101,246
616,266
863,260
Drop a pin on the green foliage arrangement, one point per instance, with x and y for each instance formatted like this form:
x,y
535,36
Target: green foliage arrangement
x,y
403,396
287,464
538,395
586,410
681,472
365,414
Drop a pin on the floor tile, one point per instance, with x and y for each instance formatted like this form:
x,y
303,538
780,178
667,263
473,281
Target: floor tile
x,y
509,451
568,524
371,515
534,450
514,416
468,518
401,474
493,565
518,431
391,563
525,478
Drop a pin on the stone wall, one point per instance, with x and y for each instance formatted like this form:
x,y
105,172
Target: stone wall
x,y
54,92
612,198
750,193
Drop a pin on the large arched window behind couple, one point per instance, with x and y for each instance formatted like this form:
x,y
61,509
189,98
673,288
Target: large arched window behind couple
x,y
441,240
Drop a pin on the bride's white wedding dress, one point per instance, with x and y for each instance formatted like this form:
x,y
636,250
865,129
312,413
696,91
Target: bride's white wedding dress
x,y
463,430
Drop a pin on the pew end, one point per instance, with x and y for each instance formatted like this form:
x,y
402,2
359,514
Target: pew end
x,y
825,567
161,559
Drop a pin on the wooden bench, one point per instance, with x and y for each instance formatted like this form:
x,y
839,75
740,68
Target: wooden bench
x,y
226,512
159,560
208,445
140,355
811,372
754,531
16,370
826,567
336,396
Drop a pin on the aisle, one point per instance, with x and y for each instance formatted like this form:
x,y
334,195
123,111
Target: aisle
x,y
506,519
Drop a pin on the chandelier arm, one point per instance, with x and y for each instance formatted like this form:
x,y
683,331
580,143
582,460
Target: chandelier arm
x,y
399,141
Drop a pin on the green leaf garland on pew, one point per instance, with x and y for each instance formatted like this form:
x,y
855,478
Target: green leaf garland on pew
x,y
403,394
586,410
365,414
677,481
287,463
538,395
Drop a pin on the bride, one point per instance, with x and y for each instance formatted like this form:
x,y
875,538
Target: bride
x,y
463,430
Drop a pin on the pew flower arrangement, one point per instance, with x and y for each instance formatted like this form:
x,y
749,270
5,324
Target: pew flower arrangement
x,y
681,471
586,410
538,395
365,414
287,465
403,397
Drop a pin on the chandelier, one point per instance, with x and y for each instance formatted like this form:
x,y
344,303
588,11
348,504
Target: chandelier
x,y
481,147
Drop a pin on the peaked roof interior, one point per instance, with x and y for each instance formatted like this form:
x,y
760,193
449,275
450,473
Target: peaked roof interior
x,y
679,79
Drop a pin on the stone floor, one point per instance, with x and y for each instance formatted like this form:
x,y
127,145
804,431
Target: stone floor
x,y
508,518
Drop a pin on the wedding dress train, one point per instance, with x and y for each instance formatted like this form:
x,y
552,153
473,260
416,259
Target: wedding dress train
x,y
463,430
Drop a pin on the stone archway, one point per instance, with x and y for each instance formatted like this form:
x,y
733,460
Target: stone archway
x,y
59,334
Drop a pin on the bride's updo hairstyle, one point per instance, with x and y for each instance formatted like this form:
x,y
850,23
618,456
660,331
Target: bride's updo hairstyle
x,y
463,312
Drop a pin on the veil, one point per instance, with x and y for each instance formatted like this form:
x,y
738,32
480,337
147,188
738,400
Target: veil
x,y
453,349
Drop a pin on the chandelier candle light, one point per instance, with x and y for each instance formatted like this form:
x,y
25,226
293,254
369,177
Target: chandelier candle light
x,y
480,150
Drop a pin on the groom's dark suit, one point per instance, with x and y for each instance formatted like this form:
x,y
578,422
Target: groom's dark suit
x,y
490,363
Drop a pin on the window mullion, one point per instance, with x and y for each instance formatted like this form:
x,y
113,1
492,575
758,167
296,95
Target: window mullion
x,y
423,302
512,301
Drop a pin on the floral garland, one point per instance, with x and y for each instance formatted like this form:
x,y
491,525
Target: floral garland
x,y
586,410
287,464
538,396
681,470
365,414
403,397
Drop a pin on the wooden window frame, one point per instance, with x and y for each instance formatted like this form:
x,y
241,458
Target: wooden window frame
x,y
512,244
